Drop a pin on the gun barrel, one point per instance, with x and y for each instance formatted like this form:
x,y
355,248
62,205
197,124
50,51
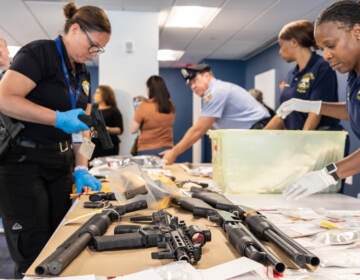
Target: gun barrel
x,y
310,258
58,261
265,230
247,245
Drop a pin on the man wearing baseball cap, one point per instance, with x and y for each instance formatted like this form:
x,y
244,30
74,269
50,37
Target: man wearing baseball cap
x,y
224,105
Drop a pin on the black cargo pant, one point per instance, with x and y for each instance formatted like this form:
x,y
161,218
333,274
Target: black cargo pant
x,y
34,197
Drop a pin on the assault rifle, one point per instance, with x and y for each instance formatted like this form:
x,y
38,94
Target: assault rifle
x,y
180,241
97,126
238,235
8,131
76,243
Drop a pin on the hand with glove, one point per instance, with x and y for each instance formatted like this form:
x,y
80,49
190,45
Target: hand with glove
x,y
300,105
84,179
69,122
310,183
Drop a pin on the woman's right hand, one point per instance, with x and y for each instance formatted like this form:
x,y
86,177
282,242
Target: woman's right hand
x,y
295,104
69,122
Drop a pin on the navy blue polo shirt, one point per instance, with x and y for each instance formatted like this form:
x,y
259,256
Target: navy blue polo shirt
x,y
317,81
353,102
41,62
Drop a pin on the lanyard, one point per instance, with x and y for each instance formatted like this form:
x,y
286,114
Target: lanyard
x,y
74,96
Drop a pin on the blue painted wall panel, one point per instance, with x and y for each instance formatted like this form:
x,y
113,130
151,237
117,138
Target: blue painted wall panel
x,y
182,97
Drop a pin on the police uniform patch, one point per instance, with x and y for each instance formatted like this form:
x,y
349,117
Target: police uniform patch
x,y
86,87
207,97
304,83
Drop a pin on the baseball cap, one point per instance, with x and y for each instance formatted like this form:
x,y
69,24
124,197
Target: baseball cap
x,y
190,71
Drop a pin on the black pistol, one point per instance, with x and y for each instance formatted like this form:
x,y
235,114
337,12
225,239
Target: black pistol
x,y
96,123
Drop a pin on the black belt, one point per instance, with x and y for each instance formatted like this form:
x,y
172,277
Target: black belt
x,y
260,124
61,146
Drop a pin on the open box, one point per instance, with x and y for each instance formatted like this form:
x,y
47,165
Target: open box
x,y
267,161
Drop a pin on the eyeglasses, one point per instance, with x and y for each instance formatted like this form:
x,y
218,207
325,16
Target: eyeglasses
x,y
94,48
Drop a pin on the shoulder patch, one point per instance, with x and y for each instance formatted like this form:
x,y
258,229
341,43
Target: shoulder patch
x,y
207,97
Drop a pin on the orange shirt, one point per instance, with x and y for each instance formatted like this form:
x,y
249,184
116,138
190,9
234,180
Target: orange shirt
x,y
156,129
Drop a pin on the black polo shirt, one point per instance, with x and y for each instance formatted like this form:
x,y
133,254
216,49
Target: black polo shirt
x,y
40,61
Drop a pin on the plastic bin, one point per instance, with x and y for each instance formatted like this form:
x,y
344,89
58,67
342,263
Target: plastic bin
x,y
267,161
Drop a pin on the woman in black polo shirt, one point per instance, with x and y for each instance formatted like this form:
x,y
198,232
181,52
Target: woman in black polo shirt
x,y
46,87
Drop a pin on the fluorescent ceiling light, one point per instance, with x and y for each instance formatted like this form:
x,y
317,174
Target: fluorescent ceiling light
x,y
13,50
169,55
191,16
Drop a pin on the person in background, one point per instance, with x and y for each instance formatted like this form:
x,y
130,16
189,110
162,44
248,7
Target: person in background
x,y
311,79
337,33
154,117
46,88
224,105
105,99
258,95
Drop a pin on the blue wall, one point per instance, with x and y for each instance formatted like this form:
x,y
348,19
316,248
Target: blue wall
x,y
265,61
182,97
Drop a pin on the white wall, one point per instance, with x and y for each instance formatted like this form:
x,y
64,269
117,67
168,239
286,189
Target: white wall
x,y
126,72
265,82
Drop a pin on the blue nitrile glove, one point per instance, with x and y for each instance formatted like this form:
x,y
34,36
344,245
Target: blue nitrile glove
x,y
68,121
84,179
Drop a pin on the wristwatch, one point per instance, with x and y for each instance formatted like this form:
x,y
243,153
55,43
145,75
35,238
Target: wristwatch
x,y
331,170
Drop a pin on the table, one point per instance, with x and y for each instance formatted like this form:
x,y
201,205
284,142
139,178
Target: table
x,y
218,251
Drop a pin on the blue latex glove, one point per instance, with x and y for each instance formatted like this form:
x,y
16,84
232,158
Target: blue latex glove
x,y
68,121
84,179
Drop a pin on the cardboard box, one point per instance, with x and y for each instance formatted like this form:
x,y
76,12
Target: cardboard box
x,y
267,161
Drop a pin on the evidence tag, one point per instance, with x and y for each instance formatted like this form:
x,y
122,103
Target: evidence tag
x,y
87,148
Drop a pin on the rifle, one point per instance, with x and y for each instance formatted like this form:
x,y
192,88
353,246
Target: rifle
x,y
76,243
261,227
237,234
180,241
97,124
8,131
